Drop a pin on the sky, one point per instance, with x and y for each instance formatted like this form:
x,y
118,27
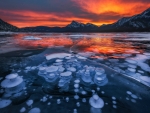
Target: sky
x,y
25,13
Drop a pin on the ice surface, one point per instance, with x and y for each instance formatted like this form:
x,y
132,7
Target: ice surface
x,y
4,103
57,55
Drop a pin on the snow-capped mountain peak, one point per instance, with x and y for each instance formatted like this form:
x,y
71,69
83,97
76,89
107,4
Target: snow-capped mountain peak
x,y
75,24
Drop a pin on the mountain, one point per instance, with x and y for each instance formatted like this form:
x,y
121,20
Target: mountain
x,y
140,22
136,23
4,26
74,26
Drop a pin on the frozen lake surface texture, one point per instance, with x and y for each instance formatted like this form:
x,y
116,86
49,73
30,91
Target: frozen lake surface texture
x,y
74,72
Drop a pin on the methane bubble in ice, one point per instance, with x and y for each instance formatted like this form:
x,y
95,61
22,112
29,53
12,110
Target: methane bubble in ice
x,y
66,75
83,100
133,100
76,97
59,60
51,69
48,103
58,101
114,102
95,110
44,99
145,79
86,77
129,93
75,111
76,90
77,81
13,83
29,102
22,110
114,106
35,110
100,78
72,69
83,92
114,98
78,104
102,92
4,103
76,85
131,61
96,102
134,96
67,99
98,89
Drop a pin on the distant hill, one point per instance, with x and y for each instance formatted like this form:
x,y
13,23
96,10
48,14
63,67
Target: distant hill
x,y
136,23
4,26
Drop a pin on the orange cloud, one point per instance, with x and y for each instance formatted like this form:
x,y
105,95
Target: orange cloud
x,y
119,6
30,18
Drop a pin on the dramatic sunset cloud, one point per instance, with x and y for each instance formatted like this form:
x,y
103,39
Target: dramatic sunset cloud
x,y
23,13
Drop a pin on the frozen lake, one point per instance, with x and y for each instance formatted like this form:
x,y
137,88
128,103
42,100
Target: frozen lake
x,y
74,72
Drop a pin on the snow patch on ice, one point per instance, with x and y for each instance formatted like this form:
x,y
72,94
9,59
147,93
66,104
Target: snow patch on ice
x,y
57,55
31,38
